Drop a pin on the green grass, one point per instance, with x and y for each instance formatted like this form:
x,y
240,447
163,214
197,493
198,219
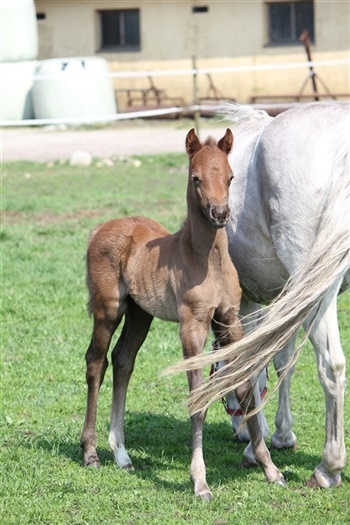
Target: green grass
x,y
45,332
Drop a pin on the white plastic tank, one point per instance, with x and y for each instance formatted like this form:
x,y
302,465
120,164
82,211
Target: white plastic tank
x,y
17,80
18,31
73,87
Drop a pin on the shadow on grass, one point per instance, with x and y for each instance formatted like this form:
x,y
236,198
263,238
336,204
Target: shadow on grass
x,y
160,447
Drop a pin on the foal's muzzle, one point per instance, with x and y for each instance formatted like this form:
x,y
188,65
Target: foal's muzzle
x,y
219,215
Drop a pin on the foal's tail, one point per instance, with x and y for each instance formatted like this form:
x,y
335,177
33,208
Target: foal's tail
x,y
302,295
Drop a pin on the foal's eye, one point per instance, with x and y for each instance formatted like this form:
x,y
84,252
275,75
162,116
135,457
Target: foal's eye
x,y
196,181
230,180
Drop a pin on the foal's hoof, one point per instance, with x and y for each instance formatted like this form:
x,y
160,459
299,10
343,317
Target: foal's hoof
x,y
201,490
281,481
205,495
91,461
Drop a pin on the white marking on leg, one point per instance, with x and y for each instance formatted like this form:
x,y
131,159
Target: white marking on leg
x,y
122,458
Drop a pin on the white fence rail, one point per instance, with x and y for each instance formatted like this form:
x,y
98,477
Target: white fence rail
x,y
171,110
213,70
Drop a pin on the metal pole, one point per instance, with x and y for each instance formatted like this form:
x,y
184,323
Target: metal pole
x,y
196,113
304,37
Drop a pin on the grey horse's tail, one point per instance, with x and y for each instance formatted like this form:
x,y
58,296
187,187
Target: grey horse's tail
x,y
327,262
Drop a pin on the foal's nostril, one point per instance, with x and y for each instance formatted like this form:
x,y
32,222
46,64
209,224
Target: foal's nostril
x,y
212,213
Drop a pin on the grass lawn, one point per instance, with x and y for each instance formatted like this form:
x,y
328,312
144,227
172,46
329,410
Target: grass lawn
x,y
48,213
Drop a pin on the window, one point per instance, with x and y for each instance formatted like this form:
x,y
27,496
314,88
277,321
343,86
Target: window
x,y
200,9
120,30
287,20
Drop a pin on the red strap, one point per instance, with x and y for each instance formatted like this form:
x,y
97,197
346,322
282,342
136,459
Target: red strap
x,y
238,411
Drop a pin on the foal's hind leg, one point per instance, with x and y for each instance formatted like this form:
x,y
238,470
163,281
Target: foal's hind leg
x,y
330,357
96,364
135,330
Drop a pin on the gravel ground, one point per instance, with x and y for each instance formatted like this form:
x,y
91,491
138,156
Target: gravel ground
x,y
126,138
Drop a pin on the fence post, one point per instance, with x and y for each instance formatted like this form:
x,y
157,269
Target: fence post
x,y
196,113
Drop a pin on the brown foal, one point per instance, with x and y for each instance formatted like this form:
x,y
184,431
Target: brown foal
x,y
137,270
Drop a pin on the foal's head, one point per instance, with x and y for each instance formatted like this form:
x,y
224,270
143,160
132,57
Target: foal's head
x,y
210,176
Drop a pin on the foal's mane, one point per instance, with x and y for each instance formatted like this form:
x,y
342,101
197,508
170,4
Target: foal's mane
x,y
210,141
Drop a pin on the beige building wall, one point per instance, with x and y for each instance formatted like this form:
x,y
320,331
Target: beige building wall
x,y
233,33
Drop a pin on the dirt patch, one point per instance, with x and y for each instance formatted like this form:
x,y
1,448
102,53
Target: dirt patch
x,y
136,138
15,217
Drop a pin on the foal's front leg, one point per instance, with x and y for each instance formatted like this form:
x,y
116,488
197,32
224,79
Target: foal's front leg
x,y
260,451
193,336
250,314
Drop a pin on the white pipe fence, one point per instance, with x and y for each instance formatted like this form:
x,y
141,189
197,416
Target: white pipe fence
x,y
213,70
165,111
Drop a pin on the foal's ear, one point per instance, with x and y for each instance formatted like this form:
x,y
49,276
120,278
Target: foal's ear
x,y
226,143
192,143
